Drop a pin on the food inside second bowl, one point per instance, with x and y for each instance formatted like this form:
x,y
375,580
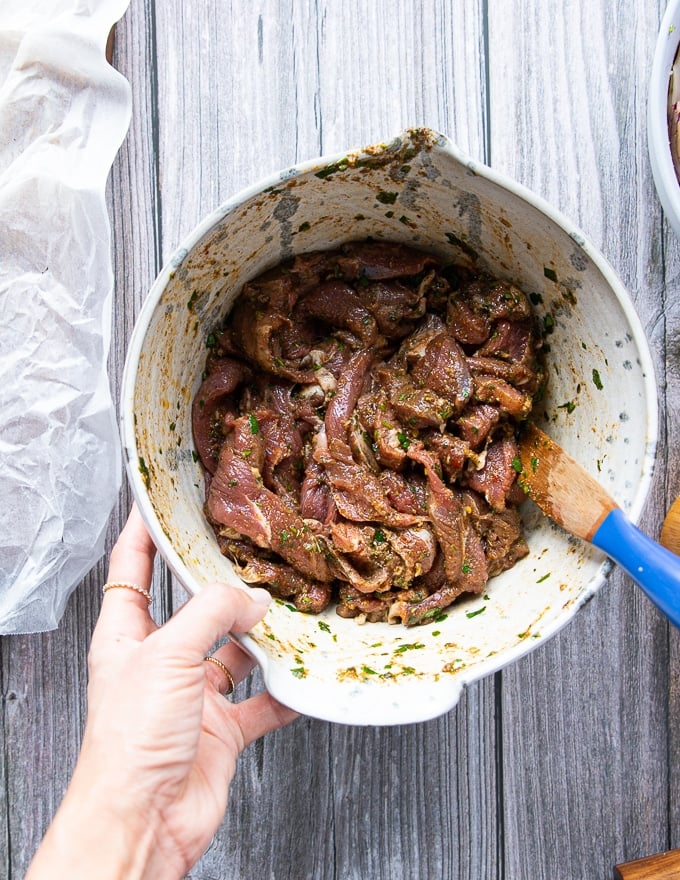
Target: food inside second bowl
x,y
673,112
357,424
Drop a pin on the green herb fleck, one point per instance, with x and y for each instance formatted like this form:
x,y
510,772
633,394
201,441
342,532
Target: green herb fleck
x,y
379,536
570,406
413,646
304,227
172,426
466,568
597,381
211,341
299,671
517,465
536,298
548,323
463,245
323,626
144,470
368,671
387,198
404,442
254,425
544,578
192,300
550,273
481,610
342,165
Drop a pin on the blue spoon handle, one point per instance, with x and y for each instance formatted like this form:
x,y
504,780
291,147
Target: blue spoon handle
x,y
650,565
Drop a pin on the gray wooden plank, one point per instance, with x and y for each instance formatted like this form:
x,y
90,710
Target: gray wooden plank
x,y
585,717
44,676
669,296
309,80
44,696
5,863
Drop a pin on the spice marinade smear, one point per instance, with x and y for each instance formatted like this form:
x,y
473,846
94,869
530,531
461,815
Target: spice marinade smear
x,y
357,425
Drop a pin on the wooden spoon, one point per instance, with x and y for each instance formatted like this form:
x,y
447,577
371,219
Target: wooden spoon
x,y
662,866
570,496
670,530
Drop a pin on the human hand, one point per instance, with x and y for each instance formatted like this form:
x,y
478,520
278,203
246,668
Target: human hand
x,y
161,741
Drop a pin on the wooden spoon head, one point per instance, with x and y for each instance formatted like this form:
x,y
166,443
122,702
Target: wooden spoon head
x,y
670,530
560,486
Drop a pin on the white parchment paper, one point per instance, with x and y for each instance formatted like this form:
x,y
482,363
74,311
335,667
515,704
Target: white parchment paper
x,y
63,115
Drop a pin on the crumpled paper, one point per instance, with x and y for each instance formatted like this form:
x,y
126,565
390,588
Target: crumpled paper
x,y
63,115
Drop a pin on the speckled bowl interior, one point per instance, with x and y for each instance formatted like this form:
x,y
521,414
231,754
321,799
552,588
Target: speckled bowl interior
x,y
601,406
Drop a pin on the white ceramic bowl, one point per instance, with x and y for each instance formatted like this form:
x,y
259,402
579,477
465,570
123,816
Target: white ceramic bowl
x,y
601,407
663,170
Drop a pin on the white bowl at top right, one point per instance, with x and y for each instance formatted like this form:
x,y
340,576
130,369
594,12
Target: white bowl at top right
x,y
659,137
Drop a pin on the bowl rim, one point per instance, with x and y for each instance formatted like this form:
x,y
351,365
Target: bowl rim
x,y
661,160
409,712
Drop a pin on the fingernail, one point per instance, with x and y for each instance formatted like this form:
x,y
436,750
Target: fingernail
x,y
260,596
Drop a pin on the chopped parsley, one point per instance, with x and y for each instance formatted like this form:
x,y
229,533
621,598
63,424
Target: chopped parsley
x,y
413,646
387,198
471,614
404,441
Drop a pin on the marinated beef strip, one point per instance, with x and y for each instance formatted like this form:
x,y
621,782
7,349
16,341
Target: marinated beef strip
x,y
238,499
357,424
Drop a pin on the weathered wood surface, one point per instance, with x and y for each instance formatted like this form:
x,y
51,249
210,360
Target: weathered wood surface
x,y
567,762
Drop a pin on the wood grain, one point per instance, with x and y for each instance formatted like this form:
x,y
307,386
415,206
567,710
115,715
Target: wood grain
x,y
670,529
567,762
661,866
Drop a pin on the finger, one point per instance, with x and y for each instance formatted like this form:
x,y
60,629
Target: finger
x,y
219,675
125,611
133,553
261,714
216,610
237,662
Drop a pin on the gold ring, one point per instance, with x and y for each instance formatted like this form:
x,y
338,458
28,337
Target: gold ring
x,y
230,677
125,585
